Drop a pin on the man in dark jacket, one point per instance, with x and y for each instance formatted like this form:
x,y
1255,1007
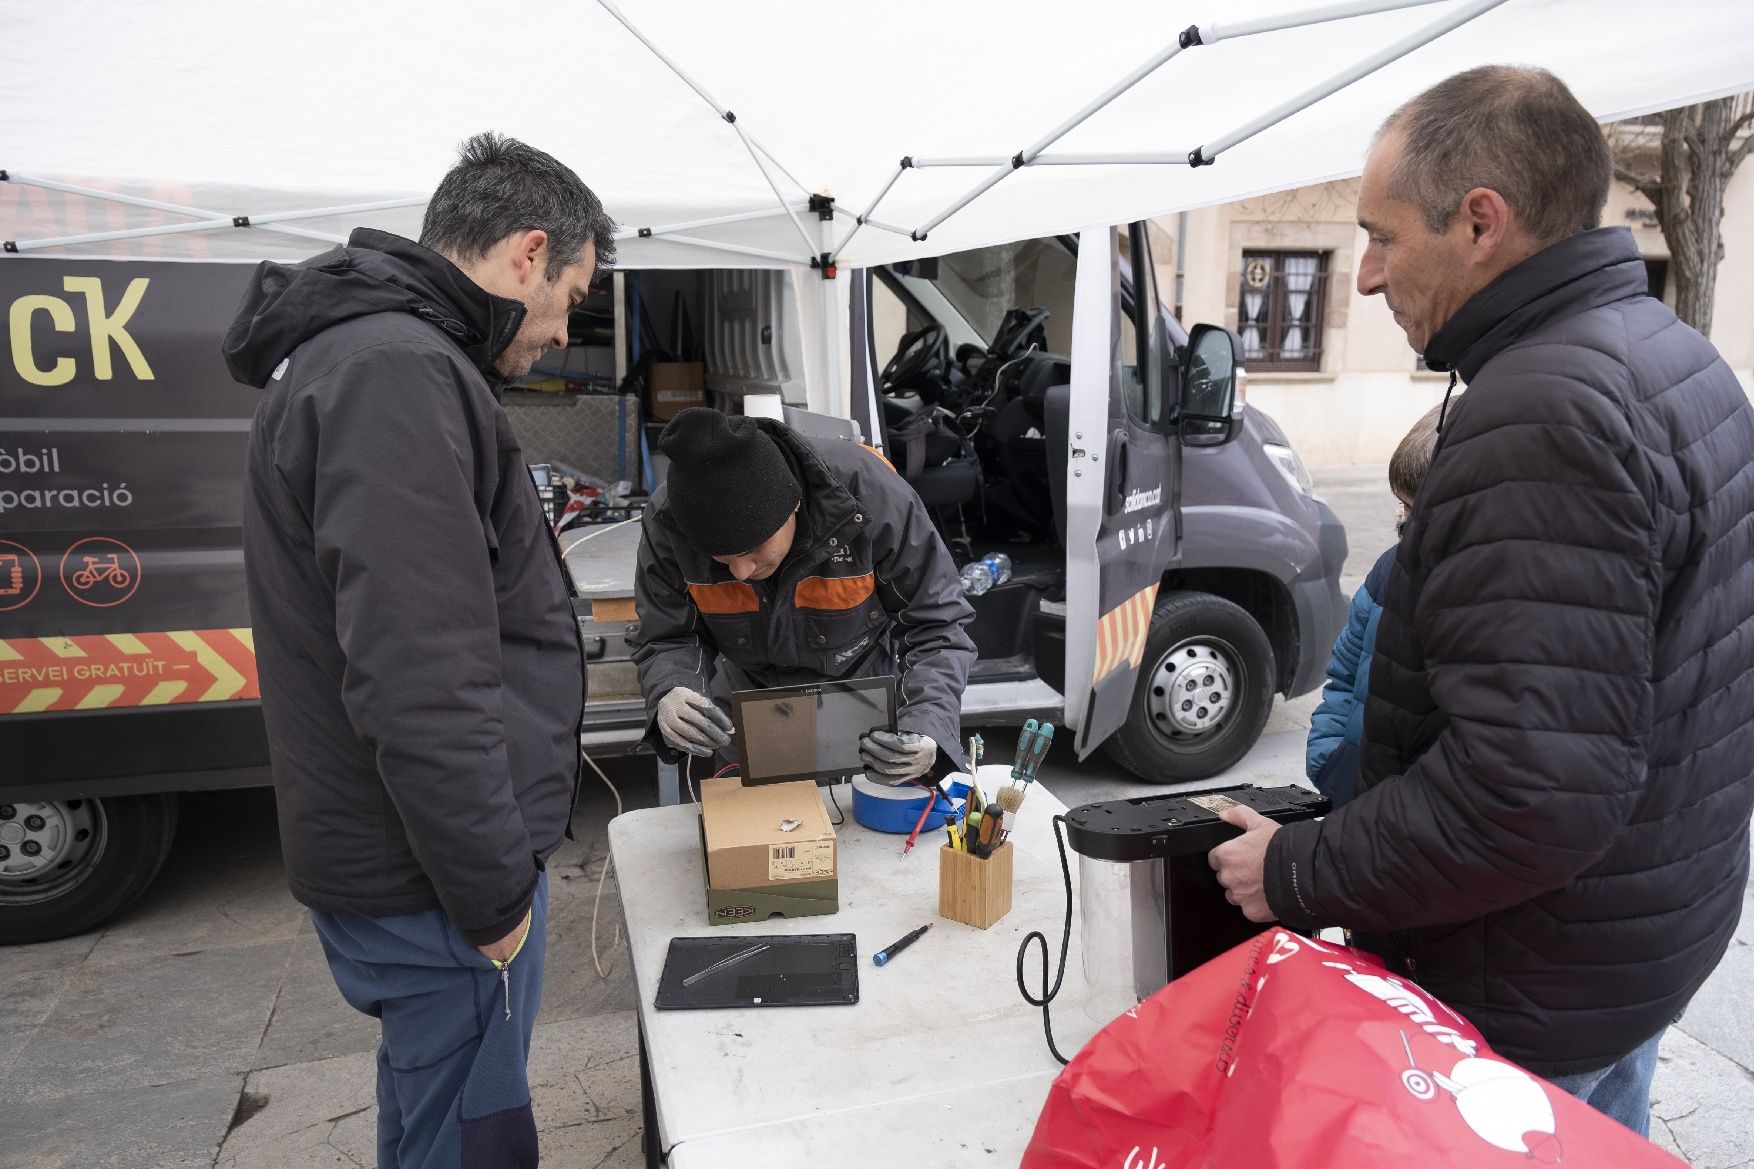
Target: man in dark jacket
x,y
1558,768
769,559
422,681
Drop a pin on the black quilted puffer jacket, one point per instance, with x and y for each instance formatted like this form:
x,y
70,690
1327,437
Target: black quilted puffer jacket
x,y
1552,830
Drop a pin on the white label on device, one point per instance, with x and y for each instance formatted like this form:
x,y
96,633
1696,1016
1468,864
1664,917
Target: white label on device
x,y
802,861
1213,802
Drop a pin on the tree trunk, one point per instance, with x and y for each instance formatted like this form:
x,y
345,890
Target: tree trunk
x,y
1699,155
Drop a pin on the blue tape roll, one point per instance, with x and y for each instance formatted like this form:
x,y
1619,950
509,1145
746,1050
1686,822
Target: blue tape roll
x,y
887,813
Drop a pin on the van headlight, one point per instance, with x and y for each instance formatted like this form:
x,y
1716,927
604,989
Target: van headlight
x,y
1291,467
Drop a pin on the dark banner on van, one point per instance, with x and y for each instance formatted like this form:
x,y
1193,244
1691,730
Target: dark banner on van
x,y
122,443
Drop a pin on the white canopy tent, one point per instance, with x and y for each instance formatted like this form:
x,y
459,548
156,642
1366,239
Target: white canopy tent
x,y
275,128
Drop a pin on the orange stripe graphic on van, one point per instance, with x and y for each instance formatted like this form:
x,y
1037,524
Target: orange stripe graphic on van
x,y
728,596
103,671
1120,633
833,592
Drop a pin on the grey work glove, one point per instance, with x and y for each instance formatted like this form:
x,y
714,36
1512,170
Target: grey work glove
x,y
692,722
894,757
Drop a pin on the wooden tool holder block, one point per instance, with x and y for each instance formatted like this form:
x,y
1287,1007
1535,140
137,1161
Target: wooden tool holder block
x,y
971,890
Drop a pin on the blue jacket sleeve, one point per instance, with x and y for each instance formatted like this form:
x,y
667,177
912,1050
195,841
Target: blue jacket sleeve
x,y
1340,695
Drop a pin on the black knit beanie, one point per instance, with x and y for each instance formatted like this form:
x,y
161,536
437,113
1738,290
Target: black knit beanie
x,y
731,488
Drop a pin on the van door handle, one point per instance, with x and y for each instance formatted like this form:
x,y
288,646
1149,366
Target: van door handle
x,y
1117,471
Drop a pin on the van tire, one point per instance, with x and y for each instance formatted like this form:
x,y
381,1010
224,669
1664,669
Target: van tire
x,y
1220,655
126,840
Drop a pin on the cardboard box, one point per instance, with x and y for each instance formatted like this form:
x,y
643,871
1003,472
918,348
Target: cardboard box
x,y
747,846
738,830
674,386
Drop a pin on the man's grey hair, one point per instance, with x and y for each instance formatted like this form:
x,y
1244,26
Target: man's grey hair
x,y
1515,130
502,187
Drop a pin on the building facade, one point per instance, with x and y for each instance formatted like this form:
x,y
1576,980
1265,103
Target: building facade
x,y
1330,365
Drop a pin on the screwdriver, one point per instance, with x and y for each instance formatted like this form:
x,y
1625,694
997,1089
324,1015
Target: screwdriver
x,y
884,955
991,820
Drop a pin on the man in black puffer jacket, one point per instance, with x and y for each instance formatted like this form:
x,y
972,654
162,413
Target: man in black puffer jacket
x,y
422,681
1552,830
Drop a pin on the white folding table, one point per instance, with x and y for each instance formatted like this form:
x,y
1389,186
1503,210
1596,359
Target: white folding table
x,y
941,1062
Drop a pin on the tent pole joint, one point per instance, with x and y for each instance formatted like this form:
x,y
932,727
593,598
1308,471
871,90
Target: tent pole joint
x,y
240,221
1190,37
4,177
823,205
10,245
1196,158
730,117
907,162
645,233
1018,162
824,263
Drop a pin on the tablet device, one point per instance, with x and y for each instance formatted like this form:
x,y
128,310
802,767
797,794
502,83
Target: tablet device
x,y
809,732
752,970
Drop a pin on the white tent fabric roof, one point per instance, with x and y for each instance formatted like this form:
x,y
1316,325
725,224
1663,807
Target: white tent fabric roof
x,y
243,107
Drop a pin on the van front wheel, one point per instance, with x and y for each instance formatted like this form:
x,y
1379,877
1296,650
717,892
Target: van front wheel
x,y
67,866
1204,692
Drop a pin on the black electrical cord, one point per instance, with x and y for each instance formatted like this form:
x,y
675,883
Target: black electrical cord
x,y
836,803
1048,992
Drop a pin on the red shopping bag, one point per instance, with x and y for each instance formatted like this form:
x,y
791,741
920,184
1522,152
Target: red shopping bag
x,y
1290,1053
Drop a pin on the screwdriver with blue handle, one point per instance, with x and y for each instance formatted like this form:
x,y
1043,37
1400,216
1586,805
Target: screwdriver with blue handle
x,y
883,956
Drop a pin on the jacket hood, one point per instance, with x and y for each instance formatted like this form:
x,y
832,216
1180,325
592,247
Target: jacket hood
x,y
1584,271
376,272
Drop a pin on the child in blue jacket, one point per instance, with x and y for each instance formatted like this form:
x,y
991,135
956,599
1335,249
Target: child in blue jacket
x,y
1336,729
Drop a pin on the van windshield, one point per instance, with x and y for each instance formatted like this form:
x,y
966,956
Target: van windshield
x,y
984,283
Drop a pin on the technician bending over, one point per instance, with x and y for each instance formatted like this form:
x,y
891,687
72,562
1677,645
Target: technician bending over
x,y
771,559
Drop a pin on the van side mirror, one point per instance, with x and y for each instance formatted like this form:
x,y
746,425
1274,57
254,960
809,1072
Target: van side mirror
x,y
1212,374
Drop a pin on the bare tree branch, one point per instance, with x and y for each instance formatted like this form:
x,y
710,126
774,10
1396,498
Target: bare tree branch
x,y
1647,185
1741,152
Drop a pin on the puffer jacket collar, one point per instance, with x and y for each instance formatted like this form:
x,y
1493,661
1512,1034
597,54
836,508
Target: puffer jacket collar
x,y
1585,271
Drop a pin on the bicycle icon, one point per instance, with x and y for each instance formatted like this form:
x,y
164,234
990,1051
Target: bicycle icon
x,y
99,569
100,572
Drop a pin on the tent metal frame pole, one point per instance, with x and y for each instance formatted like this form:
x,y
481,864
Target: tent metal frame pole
x,y
1449,22
773,186
740,249
327,237
610,8
204,220
1189,39
96,237
344,209
111,196
1211,34
693,224
1024,157
861,220
1136,158
881,226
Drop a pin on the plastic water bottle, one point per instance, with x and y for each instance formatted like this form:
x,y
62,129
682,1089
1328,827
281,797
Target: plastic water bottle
x,y
980,575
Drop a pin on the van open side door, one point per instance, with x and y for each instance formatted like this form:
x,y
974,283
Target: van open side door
x,y
1123,480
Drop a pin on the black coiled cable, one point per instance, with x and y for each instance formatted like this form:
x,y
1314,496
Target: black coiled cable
x,y
1048,992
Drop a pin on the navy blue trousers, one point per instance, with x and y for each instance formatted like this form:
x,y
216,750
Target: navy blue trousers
x,y
452,1087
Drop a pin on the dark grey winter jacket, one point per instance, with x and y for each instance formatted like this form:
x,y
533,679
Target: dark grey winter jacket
x,y
422,681
868,589
1559,740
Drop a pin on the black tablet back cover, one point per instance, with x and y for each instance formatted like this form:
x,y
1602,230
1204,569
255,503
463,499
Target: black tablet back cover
x,y
796,970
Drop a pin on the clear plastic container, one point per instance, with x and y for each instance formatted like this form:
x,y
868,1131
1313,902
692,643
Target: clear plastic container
x,y
991,570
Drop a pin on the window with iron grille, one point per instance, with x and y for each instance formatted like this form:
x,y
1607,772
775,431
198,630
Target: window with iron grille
x,y
1279,309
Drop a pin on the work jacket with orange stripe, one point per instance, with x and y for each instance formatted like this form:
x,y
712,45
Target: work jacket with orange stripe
x,y
868,589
